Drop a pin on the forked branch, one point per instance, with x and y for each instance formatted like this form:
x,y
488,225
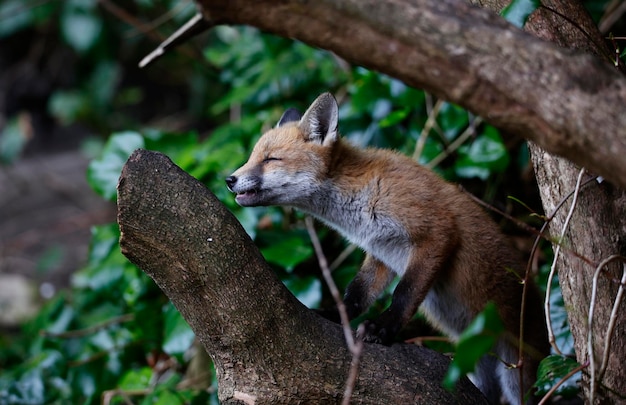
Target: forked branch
x,y
266,346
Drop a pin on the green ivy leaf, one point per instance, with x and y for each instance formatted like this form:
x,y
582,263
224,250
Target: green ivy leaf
x,y
180,147
104,239
103,173
308,290
62,320
136,379
35,381
107,266
85,380
486,155
475,341
12,141
178,336
452,119
68,106
552,369
394,118
517,11
102,85
15,15
166,394
287,252
368,91
81,25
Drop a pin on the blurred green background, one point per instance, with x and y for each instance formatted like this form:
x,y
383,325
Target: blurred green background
x,y
72,98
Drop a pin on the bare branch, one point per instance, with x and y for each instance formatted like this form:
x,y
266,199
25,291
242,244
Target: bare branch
x,y
557,251
355,345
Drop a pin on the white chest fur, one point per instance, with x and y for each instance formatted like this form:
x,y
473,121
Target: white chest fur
x,y
358,220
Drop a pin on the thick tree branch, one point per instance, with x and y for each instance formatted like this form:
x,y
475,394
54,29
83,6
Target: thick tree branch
x,y
568,102
267,347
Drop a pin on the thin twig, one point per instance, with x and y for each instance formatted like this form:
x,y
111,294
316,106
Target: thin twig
x,y
557,251
540,235
431,121
90,330
548,220
354,368
139,25
419,340
612,320
154,24
542,231
123,15
556,386
342,256
520,224
107,396
598,46
592,305
355,345
460,140
334,291
613,12
125,394
101,354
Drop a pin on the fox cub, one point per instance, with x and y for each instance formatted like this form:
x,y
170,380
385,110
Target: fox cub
x,y
450,257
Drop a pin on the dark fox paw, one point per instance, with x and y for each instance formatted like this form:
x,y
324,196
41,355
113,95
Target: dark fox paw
x,y
371,332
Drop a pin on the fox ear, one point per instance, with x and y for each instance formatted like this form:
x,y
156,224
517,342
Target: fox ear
x,y
319,122
290,115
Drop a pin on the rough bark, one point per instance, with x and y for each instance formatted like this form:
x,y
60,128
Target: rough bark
x,y
568,102
596,231
267,347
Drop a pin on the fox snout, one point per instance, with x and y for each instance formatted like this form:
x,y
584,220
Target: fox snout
x,y
242,184
230,182
247,189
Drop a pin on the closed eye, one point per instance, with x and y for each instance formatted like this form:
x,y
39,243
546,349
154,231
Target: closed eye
x,y
269,159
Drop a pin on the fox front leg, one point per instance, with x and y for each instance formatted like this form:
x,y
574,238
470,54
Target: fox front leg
x,y
407,297
366,286
370,281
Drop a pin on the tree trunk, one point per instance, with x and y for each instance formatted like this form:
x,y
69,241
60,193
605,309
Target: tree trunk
x,y
597,228
596,231
266,346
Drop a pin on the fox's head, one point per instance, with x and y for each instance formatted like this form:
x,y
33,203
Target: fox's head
x,y
290,161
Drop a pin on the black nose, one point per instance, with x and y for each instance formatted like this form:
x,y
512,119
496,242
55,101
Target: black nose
x,y
230,181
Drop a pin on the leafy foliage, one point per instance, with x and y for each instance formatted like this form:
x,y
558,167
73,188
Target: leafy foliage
x,y
552,370
485,156
114,330
83,342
